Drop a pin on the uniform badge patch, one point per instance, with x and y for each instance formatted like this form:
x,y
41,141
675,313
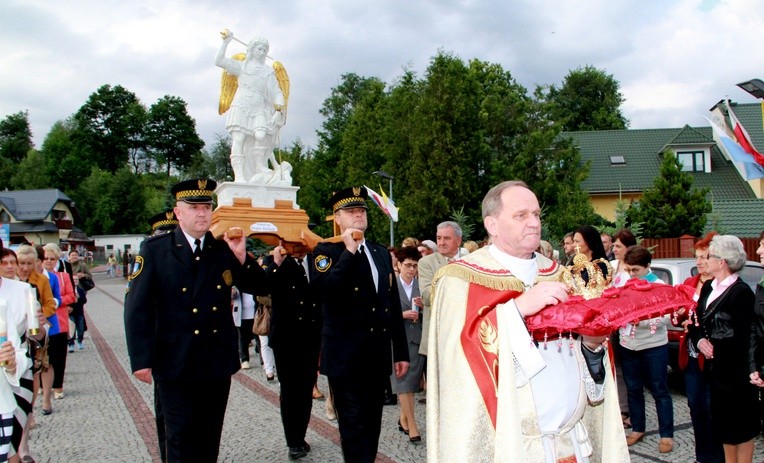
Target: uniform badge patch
x,y
323,263
227,277
137,268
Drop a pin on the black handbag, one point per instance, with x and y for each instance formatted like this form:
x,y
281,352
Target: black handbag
x,y
87,283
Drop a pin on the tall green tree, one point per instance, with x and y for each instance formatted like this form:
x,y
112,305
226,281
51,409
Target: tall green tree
x,y
110,126
448,150
554,170
28,175
130,197
66,162
95,203
115,203
523,142
589,99
671,207
7,171
171,134
157,186
446,137
213,162
365,150
15,136
219,157
319,175
15,142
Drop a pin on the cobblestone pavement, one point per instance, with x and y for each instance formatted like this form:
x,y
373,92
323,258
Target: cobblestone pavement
x,y
107,416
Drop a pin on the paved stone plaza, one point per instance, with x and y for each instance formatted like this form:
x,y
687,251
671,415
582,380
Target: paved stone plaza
x,y
107,416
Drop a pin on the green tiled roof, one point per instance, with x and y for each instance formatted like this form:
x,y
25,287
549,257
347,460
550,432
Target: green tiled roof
x,y
689,136
641,151
736,210
749,115
743,218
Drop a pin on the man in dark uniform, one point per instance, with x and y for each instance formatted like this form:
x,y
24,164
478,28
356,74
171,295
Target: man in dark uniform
x,y
295,337
179,326
164,222
362,319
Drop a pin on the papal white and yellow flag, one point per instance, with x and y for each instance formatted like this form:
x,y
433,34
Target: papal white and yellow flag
x,y
384,203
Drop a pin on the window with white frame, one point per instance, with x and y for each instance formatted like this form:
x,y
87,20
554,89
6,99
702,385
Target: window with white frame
x,y
692,161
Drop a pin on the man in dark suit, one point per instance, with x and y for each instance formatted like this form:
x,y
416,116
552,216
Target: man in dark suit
x,y
362,321
295,337
161,223
178,322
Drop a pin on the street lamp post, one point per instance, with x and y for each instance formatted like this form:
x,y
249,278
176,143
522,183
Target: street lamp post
x,y
389,177
754,86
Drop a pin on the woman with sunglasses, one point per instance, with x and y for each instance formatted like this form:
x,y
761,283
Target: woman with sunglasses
x,y
58,343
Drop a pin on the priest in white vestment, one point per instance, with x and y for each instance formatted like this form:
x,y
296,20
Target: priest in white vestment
x,y
494,394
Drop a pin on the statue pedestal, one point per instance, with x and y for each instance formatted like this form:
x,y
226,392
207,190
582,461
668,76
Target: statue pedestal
x,y
259,195
282,223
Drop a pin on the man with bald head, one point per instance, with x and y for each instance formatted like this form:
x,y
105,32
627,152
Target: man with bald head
x,y
553,403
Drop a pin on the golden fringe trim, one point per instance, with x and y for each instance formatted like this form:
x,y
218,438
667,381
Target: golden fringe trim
x,y
503,281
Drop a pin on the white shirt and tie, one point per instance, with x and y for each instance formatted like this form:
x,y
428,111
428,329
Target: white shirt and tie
x,y
196,244
363,248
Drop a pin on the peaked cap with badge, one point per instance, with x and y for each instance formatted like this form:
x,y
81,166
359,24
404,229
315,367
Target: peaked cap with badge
x,y
179,328
194,191
362,330
349,198
164,221
176,295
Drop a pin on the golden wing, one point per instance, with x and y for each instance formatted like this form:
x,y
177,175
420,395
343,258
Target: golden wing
x,y
228,85
283,80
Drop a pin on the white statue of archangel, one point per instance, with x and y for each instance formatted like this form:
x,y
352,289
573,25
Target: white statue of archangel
x,y
255,96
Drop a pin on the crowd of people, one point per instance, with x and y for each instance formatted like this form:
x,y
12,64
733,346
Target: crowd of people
x,y
43,293
441,316
428,315
721,350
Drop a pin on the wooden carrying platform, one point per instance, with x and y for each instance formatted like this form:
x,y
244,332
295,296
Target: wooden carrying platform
x,y
281,224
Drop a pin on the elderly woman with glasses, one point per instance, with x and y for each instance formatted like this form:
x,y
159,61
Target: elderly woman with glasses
x,y
725,314
707,447
58,343
411,304
25,264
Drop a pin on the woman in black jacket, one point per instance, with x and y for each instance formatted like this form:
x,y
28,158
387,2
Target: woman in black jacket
x,y
725,314
756,366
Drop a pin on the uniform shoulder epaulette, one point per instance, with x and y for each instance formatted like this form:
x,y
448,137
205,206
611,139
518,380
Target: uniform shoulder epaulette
x,y
158,237
328,246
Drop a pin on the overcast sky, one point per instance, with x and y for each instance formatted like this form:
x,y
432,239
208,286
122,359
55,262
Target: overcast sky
x,y
673,58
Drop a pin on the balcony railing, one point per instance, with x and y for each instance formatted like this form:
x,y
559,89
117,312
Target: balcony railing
x,y
63,224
